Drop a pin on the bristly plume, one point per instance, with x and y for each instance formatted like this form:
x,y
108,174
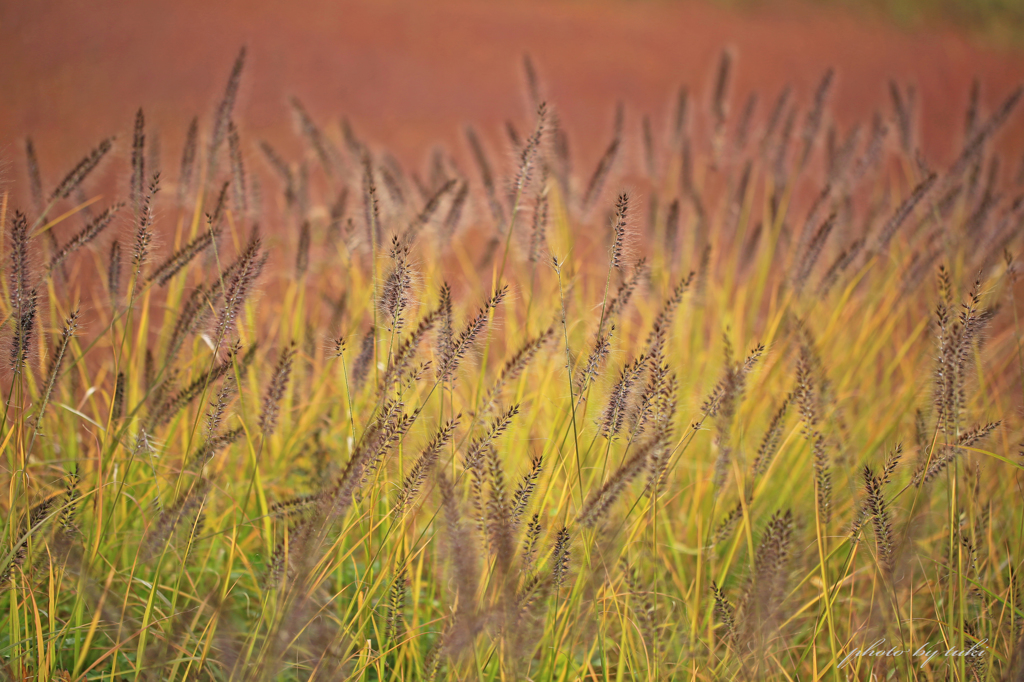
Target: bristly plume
x,y
74,178
53,373
337,215
238,286
561,160
598,504
188,161
724,611
148,370
782,151
138,186
604,165
813,251
19,274
743,125
515,366
214,444
774,118
618,402
185,507
730,521
945,454
477,449
679,117
283,169
315,138
812,124
521,497
956,336
423,466
839,265
117,408
689,187
971,117
238,185
811,387
672,229
460,345
486,176
364,361
497,522
461,550
903,212
275,391
396,293
66,520
722,402
650,163
422,218
820,202
626,289
153,152
770,442
740,195
302,190
451,221
387,428
873,151
595,361
822,478
195,310
217,408
875,506
805,394
223,116
658,336
619,229
371,209
538,233
532,82
719,105
703,274
528,154
177,261
841,157
403,355
167,406
144,228
396,605
302,252
35,179
981,135
22,295
84,236
355,146
560,558
766,587
114,271
903,109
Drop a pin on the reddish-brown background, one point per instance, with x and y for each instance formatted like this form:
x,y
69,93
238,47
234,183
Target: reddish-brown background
x,y
408,74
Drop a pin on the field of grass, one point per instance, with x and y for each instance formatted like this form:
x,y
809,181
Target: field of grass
x,y
756,418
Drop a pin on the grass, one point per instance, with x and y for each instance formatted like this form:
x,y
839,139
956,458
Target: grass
x,y
325,418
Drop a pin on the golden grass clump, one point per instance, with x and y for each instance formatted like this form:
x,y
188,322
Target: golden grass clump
x,y
337,418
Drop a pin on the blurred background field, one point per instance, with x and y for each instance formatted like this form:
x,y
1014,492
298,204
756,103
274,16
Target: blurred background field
x,y
409,75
